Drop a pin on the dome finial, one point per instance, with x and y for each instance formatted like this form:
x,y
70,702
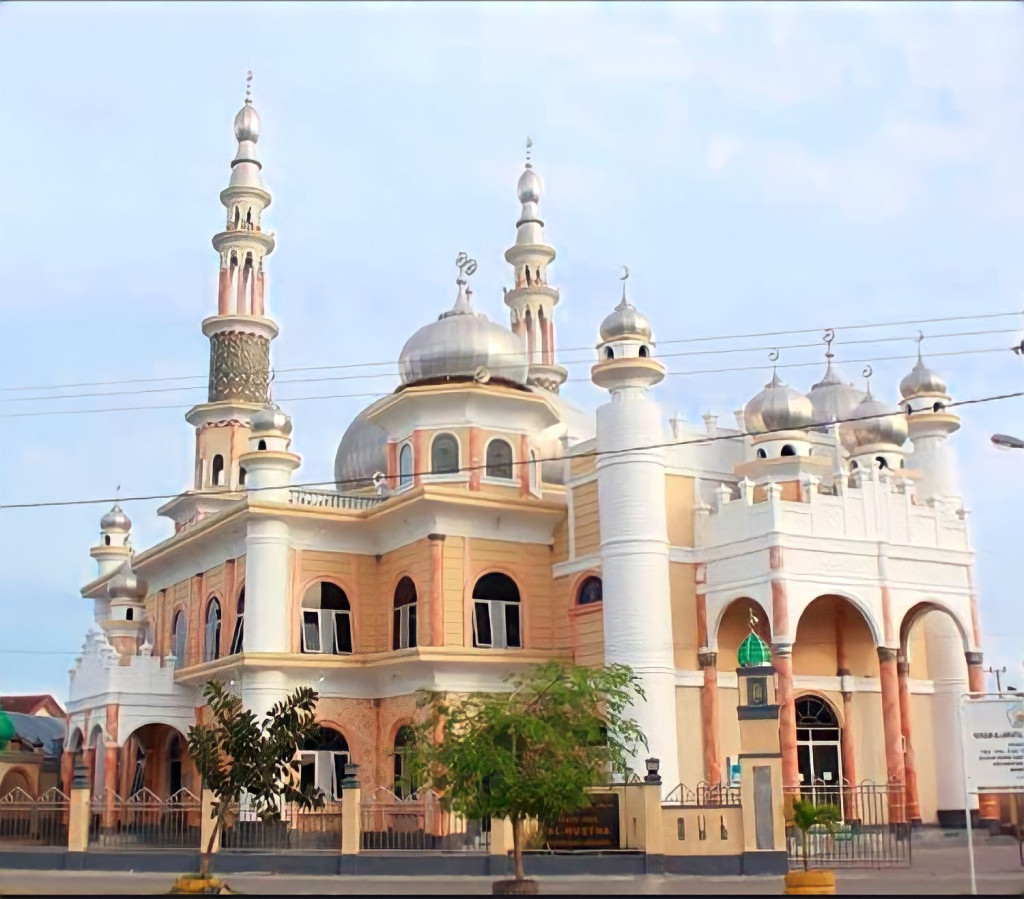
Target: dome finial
x,y
773,357
867,373
248,87
830,335
466,267
529,148
270,387
625,277
919,339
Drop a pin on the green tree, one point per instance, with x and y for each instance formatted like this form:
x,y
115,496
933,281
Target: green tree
x,y
530,752
807,815
237,753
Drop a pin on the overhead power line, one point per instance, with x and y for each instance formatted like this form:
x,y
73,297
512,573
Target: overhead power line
x,y
595,453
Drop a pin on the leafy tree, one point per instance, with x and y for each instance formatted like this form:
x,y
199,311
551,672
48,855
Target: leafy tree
x,y
807,815
530,752
237,753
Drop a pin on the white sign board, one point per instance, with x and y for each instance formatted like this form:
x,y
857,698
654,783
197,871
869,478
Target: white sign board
x,y
994,738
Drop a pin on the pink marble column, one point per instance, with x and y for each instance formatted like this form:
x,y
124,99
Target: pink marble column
x,y
909,765
436,589
224,292
892,731
782,659
709,718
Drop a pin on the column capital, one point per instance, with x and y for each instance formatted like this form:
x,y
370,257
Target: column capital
x,y
974,658
707,658
437,537
885,654
903,668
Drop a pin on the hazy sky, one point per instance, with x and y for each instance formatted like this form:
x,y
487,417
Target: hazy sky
x,y
759,168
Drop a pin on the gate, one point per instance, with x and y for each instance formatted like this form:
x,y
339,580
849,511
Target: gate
x,y
417,822
25,821
874,832
144,821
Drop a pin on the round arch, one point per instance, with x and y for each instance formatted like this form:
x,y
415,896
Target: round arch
x,y
918,610
322,759
738,609
495,615
834,635
17,778
324,628
578,585
857,602
75,741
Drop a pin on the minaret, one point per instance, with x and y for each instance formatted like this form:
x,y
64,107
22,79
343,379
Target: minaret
x,y
113,550
240,332
531,301
126,610
634,529
930,423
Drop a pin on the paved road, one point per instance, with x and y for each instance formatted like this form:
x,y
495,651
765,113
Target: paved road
x,y
937,870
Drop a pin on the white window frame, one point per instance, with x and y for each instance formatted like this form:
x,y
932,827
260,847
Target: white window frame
x,y
496,478
212,624
327,630
182,629
533,469
458,458
405,479
238,634
325,769
407,637
499,638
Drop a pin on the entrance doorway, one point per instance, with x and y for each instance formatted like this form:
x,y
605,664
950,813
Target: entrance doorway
x,y
819,752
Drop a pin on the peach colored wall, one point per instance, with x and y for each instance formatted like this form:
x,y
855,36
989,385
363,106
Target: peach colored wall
x,y
712,821
586,624
691,747
814,651
560,546
679,505
683,598
581,466
586,524
922,736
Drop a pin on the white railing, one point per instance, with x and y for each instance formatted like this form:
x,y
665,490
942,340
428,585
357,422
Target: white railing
x,y
325,499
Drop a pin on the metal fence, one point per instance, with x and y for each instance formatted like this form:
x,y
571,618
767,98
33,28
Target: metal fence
x,y
874,832
706,795
25,821
418,823
294,828
144,821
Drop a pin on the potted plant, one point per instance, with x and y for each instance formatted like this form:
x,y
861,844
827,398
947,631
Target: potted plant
x,y
530,753
807,815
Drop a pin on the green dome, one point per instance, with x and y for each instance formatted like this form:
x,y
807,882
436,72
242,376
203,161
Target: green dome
x,y
754,652
6,729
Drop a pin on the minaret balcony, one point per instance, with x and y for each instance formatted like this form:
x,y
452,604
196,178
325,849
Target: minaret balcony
x,y
523,293
233,237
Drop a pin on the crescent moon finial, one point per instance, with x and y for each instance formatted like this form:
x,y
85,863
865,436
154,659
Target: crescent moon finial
x,y
868,372
830,335
625,276
774,355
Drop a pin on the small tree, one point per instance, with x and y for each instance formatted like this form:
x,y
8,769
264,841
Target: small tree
x,y
237,753
531,752
807,815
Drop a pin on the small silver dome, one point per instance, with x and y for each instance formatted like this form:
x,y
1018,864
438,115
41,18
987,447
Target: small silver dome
x,y
461,343
889,429
625,321
126,584
115,520
530,187
778,408
922,381
832,399
363,452
247,124
271,418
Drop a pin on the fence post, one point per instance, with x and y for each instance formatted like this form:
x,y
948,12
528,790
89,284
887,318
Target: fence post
x,y
501,836
78,810
207,821
651,792
351,812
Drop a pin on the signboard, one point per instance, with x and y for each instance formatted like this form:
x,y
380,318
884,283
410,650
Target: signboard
x,y
596,827
993,731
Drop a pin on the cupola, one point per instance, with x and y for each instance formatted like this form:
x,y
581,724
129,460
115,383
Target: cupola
x,y
126,609
626,348
269,462
754,652
779,418
874,434
113,548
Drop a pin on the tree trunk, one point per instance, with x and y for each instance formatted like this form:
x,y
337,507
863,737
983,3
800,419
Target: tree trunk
x,y
807,849
205,858
517,846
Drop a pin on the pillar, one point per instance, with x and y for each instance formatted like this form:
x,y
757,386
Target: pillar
x,y
988,804
782,658
850,795
257,304
110,785
351,820
909,766
709,717
207,822
892,732
267,594
78,809
501,836
67,766
224,292
436,589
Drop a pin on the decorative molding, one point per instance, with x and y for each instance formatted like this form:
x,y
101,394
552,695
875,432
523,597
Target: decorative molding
x,y
239,367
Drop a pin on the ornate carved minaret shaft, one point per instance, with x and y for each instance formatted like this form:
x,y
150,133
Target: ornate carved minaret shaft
x,y
240,332
531,300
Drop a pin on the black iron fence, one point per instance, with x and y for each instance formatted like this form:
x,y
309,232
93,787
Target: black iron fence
x,y
292,828
705,795
418,823
144,821
28,821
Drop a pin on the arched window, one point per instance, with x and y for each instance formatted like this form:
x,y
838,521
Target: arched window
x,y
106,539
496,614
609,353
590,592
761,454
499,460
211,640
403,633
129,614
217,474
405,465
444,454
404,786
174,758
644,352
326,619
819,751
236,636
262,445
237,216
241,475
882,464
788,450
322,761
179,634
534,472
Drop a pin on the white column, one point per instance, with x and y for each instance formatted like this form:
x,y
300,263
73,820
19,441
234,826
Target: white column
x,y
933,459
635,566
267,586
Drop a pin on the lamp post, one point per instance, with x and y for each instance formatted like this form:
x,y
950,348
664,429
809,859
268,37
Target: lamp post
x,y
1007,442
653,765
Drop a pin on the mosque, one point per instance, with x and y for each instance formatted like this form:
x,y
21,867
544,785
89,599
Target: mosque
x,y
481,523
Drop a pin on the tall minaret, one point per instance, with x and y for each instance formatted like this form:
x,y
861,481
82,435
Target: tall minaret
x,y
531,301
634,529
240,333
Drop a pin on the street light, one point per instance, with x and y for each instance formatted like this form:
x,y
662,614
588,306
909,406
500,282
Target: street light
x,y
1007,442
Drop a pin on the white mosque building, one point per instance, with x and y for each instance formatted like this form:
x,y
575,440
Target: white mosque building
x,y
481,523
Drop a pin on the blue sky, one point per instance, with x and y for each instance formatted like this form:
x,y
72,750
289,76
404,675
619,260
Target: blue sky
x,y
759,168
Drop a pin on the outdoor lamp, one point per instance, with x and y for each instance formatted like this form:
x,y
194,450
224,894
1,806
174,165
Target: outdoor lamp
x,y
653,765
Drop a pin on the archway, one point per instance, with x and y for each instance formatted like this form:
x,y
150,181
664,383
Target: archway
x,y
155,758
734,626
16,779
322,761
819,750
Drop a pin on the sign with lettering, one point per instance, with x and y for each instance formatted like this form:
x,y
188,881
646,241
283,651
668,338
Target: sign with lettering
x,y
596,827
994,738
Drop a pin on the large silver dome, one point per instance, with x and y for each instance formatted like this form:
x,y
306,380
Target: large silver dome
x,y
363,452
625,321
832,399
922,381
271,418
461,344
116,520
890,428
247,123
777,408
126,584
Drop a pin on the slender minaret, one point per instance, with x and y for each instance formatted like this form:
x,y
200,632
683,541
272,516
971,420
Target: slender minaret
x,y
531,302
113,550
240,332
634,529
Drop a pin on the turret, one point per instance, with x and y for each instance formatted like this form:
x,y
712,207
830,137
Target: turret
x,y
634,530
269,463
874,434
126,610
114,549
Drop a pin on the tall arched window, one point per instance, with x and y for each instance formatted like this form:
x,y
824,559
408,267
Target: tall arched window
x,y
322,761
217,474
590,592
405,465
534,472
499,460
179,635
211,638
444,454
496,612
403,633
404,786
326,619
819,751
237,635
